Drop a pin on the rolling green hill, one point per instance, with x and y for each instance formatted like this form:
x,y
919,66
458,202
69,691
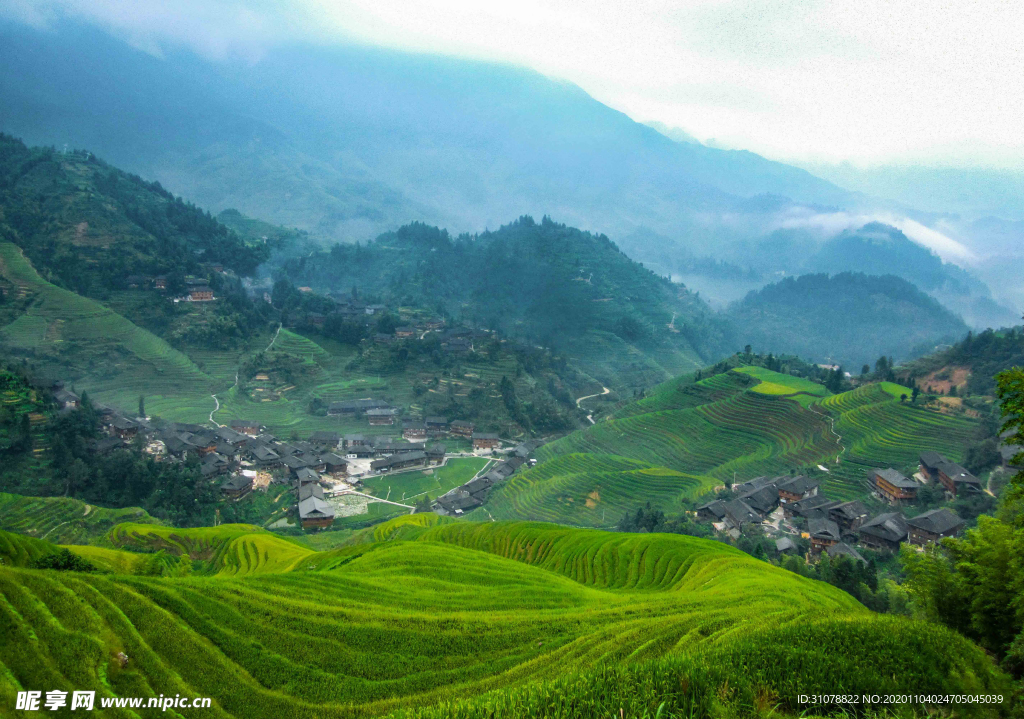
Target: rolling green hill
x,y
63,520
465,619
747,422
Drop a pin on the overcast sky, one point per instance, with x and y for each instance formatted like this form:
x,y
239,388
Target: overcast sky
x,y
870,81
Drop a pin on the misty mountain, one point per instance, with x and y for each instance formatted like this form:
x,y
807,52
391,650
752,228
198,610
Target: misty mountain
x,y
847,318
348,142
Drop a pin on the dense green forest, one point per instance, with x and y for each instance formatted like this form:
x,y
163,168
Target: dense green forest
x,y
541,281
88,226
848,318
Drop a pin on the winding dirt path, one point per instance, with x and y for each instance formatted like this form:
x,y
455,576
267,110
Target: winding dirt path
x,y
832,429
590,417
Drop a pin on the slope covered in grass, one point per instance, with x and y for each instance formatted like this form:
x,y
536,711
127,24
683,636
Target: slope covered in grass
x,y
449,611
102,351
63,520
752,421
591,490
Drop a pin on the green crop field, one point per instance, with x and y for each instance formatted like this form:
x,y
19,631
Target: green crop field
x,y
434,482
440,618
591,490
731,426
63,520
100,350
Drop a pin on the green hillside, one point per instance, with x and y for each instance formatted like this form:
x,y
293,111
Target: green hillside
x,y
591,490
63,520
504,617
847,318
71,336
751,421
573,290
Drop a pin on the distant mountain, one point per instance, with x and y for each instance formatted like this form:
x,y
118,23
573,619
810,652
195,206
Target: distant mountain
x,y
848,318
348,142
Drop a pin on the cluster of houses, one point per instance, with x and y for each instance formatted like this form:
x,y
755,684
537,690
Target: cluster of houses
x,y
832,527
895,488
473,493
380,413
197,289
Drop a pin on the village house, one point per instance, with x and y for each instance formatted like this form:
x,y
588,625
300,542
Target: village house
x,y
405,332
435,453
933,525
236,486
461,428
713,511
402,460
793,489
929,465
66,399
437,426
264,457
231,437
334,465
246,426
414,430
124,428
842,549
785,545
815,507
824,534
485,440
848,515
381,417
762,500
957,480
160,282
739,513
885,531
893,486
326,440
200,293
434,323
315,513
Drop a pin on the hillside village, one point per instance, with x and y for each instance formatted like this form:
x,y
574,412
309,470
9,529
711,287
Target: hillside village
x,y
791,506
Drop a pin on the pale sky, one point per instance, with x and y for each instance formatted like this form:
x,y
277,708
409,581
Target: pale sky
x,y
869,81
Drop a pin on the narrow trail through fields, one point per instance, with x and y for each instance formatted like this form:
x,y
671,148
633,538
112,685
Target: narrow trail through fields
x,y
604,391
272,341
53,528
832,429
217,401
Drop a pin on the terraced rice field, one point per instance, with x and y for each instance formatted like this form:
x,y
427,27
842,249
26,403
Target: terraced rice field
x,y
450,612
63,520
60,323
591,490
724,428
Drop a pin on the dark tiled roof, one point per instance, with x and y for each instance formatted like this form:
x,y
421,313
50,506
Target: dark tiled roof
x,y
936,521
845,550
932,459
891,526
895,478
797,485
823,529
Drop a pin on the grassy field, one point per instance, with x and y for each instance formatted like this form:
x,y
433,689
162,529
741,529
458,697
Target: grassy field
x,y
591,490
434,482
732,426
63,520
466,619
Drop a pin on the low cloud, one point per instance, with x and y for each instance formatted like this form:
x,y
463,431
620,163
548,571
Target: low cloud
x,y
832,223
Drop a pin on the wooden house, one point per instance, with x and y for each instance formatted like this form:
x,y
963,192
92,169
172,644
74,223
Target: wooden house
x,y
414,430
824,534
886,531
957,480
236,486
933,525
315,513
461,428
381,417
200,293
485,440
893,486
246,426
793,489
929,465
437,426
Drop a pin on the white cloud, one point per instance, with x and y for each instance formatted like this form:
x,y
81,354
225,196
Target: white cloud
x,y
832,223
815,80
